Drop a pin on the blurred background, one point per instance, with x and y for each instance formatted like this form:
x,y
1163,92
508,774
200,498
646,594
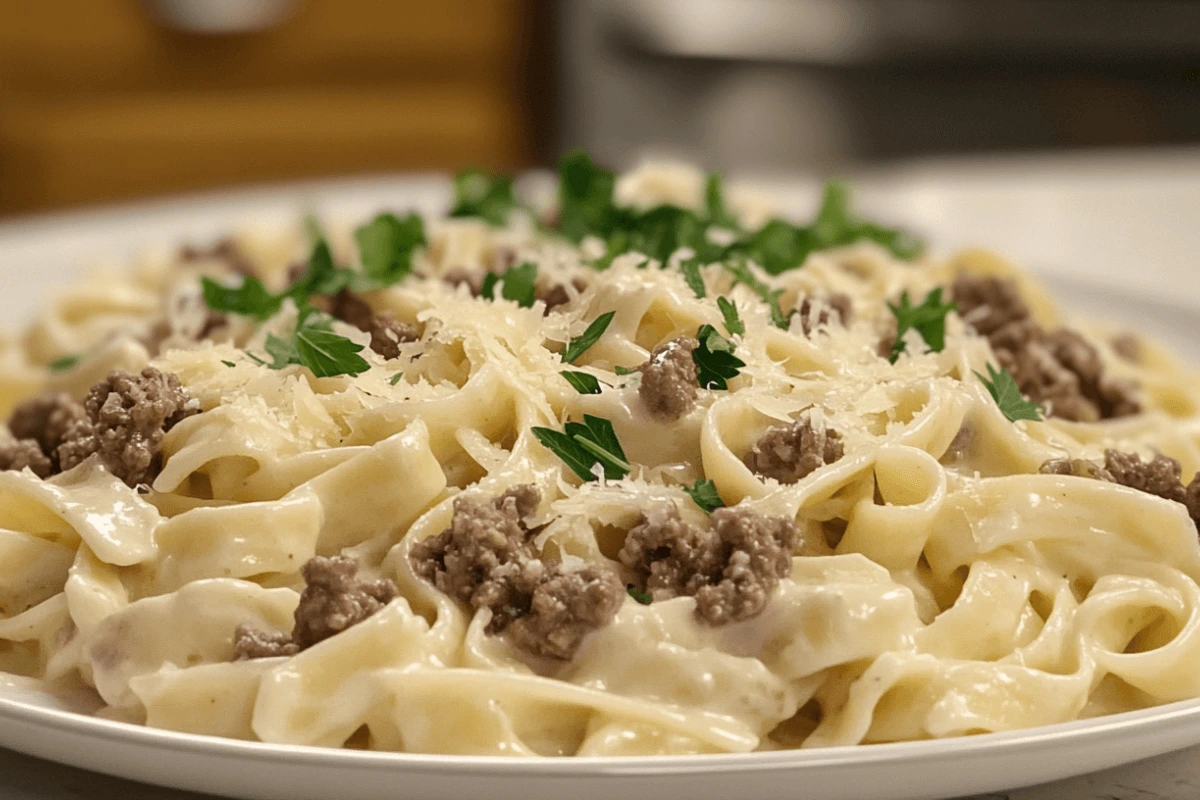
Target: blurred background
x,y
105,100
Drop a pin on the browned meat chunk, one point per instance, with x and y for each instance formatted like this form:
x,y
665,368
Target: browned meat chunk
x,y
789,453
565,607
731,568
1161,476
1079,467
461,276
485,559
250,642
333,600
670,380
127,417
557,295
17,454
819,312
1059,368
1128,346
386,331
225,250
46,419
992,306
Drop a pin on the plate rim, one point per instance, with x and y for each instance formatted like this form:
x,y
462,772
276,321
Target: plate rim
x,y
1073,732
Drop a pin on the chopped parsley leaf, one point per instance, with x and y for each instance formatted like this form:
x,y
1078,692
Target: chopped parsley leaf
x,y
583,382
927,319
395,378
623,370
733,323
579,345
715,361
714,203
517,284
585,194
1004,390
386,245
250,299
583,445
485,195
314,345
64,363
488,287
691,273
637,594
743,274
228,363
704,494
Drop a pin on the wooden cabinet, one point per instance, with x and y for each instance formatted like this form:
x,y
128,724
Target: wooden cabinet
x,y
99,101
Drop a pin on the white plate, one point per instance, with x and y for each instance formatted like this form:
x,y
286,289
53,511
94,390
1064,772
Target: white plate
x,y
38,253
908,771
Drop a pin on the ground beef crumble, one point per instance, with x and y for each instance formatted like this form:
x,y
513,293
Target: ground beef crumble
x,y
127,417
1128,346
17,454
387,332
333,600
486,559
789,453
818,312
731,567
46,419
670,380
1161,476
461,276
225,250
1060,368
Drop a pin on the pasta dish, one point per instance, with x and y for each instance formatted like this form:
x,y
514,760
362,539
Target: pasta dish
x,y
648,469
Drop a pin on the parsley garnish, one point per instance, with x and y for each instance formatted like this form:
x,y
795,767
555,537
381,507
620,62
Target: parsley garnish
x,y
483,194
64,363
395,378
228,363
585,194
927,319
742,274
704,494
733,323
517,284
714,203
582,381
1007,394
638,595
715,361
579,345
623,370
386,245
583,445
251,299
315,346
691,273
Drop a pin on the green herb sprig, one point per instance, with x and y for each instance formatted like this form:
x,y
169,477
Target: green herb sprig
x,y
580,344
517,284
928,319
704,494
482,194
584,383
715,362
583,445
314,345
1004,390
638,595
733,322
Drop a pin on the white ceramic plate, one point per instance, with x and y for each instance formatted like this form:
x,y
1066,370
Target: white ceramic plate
x,y
37,254
908,771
